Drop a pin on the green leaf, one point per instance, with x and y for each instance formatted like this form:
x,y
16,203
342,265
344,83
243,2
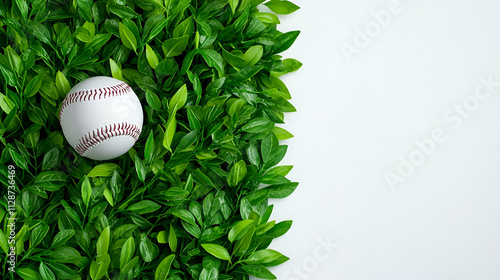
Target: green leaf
x,y
153,100
174,193
292,64
98,42
239,230
263,256
178,100
281,133
213,59
130,265
285,41
32,87
116,71
234,5
147,249
172,239
279,154
62,84
253,54
282,190
159,27
103,170
192,229
194,121
186,27
184,215
217,251
70,211
212,274
62,271
86,191
50,159
255,27
253,155
124,231
258,125
66,255
4,243
38,234
98,209
140,168
197,87
282,7
236,61
149,147
109,196
14,60
237,173
247,72
151,57
269,147
103,241
258,271
85,9
166,67
169,133
41,32
28,274
28,58
83,34
201,178
127,252
9,75
45,272
279,229
62,237
188,61
206,155
123,11
163,268
100,266
162,237
127,37
268,18
280,170
258,196
273,179
175,46
188,140
23,8
144,207
6,104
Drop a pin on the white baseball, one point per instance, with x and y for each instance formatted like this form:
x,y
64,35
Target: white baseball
x,y
101,118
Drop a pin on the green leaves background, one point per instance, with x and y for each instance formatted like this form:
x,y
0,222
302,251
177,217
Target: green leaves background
x,y
191,199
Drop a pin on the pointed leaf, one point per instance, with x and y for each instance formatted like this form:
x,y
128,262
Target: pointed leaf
x,y
163,268
217,251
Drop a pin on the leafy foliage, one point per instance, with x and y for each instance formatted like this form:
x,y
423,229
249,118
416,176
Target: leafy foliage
x,y
190,199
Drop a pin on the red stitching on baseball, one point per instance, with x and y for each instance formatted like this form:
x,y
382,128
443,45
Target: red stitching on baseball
x,y
88,94
99,135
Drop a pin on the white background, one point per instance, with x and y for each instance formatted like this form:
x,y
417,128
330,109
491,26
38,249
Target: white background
x,y
358,114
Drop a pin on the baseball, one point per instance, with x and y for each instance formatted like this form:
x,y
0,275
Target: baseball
x,y
101,118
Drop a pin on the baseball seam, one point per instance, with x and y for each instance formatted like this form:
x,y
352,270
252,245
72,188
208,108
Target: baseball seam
x,y
99,135
93,94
